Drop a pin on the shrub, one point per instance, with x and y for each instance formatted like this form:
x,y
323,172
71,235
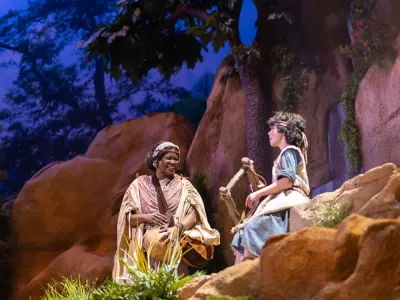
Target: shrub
x,y
68,289
330,214
144,282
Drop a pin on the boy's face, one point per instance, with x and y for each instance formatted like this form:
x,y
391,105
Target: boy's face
x,y
275,137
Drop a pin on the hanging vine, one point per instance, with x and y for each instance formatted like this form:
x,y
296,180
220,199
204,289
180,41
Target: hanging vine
x,y
295,76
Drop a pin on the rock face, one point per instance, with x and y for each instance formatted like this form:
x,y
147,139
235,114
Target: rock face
x,y
338,165
217,148
316,36
315,106
378,115
375,194
359,260
63,222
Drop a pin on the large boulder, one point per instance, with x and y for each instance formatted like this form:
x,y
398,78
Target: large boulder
x,y
375,194
359,260
378,115
64,219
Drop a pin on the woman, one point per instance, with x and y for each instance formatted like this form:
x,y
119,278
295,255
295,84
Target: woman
x,y
163,201
289,188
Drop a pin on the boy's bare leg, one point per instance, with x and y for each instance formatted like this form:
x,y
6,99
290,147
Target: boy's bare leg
x,y
238,256
247,255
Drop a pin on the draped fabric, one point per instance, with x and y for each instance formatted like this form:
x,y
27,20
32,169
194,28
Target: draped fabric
x,y
141,197
172,189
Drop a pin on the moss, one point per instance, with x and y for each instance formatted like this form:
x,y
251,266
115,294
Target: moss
x,y
349,132
295,76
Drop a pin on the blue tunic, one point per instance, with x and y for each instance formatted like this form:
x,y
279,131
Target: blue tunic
x,y
256,232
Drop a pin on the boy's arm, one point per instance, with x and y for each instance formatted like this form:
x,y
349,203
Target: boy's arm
x,y
282,184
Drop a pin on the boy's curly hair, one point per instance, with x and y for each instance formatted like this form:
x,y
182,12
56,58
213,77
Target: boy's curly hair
x,y
293,136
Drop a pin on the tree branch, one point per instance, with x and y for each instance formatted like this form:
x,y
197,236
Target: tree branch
x,y
19,49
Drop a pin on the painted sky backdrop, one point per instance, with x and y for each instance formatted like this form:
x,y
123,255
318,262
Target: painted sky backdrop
x,y
185,78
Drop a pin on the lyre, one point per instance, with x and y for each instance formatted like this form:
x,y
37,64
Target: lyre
x,y
256,181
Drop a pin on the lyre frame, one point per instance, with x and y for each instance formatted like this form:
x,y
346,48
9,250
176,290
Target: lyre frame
x,y
225,192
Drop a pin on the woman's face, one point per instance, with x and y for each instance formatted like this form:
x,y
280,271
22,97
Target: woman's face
x,y
168,164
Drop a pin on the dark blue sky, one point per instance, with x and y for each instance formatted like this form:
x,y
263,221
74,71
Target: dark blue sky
x,y
185,77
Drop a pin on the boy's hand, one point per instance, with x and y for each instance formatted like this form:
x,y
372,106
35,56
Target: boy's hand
x,y
234,230
253,197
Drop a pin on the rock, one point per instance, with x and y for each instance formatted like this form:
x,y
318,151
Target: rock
x,y
295,264
375,194
377,111
319,31
64,219
359,260
239,280
192,286
218,146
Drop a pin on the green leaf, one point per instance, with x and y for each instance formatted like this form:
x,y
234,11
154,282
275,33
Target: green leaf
x,y
219,41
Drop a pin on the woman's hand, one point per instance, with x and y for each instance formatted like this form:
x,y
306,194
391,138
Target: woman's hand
x,y
156,218
253,197
168,233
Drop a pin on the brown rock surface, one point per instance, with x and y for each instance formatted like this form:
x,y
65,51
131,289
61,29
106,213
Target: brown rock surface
x,y
192,286
322,95
359,260
217,149
320,29
375,194
62,219
378,115
239,280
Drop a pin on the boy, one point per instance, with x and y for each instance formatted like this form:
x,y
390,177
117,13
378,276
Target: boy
x,y
289,188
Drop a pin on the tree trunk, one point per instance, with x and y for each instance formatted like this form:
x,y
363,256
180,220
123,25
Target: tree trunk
x,y
100,92
258,148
